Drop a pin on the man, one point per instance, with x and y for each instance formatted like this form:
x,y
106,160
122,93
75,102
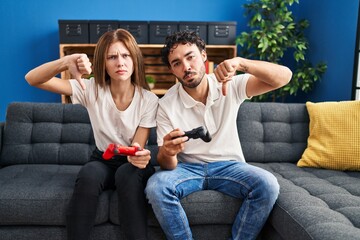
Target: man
x,y
211,101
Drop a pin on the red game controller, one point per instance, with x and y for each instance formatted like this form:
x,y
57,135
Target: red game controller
x,y
116,149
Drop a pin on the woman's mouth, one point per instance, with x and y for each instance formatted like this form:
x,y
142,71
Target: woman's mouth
x,y
120,71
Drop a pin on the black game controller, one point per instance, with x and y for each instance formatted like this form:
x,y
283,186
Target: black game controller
x,y
199,132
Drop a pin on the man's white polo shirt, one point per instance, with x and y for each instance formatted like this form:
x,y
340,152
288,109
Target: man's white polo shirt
x,y
179,110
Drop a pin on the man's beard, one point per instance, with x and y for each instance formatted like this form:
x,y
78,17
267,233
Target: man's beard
x,y
195,82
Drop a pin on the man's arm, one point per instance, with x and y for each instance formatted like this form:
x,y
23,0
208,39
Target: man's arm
x,y
43,76
265,76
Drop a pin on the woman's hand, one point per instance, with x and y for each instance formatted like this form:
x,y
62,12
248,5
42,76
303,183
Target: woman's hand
x,y
78,65
141,158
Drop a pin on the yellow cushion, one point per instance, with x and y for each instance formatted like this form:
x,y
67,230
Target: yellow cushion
x,y
334,136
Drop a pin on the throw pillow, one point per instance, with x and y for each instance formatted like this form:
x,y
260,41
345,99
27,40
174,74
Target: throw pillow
x,y
334,136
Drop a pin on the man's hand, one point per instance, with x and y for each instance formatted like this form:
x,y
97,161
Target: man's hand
x,y
225,71
141,158
79,65
174,142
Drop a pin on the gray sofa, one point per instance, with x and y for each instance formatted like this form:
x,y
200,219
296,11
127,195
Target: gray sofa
x,y
43,146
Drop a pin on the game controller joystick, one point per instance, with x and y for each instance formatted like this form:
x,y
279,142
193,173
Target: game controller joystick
x,y
200,132
116,149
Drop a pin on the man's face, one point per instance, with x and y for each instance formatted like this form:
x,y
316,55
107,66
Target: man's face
x,y
187,64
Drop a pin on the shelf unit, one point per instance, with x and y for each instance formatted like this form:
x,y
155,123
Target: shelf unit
x,y
153,63
356,82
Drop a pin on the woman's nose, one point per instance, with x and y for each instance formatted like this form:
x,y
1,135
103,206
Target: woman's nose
x,y
120,61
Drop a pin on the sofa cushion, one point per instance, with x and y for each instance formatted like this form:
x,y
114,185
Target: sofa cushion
x,y
273,132
46,133
38,194
334,138
203,207
315,202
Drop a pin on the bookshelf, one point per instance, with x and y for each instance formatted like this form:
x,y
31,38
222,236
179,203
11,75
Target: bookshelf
x,y
153,62
356,82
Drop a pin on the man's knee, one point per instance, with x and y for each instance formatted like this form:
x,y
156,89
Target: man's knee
x,y
270,187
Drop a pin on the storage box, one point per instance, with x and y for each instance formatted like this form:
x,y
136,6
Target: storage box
x,y
74,31
199,27
221,33
139,29
158,31
99,27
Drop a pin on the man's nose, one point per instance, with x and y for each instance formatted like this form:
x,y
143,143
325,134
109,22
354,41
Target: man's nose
x,y
187,66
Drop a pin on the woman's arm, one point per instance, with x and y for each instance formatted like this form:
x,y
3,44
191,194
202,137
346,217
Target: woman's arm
x,y
44,76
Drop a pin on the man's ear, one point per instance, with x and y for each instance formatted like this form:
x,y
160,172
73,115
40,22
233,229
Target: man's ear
x,y
204,55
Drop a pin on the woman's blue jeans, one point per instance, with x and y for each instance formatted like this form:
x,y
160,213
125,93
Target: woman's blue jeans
x,y
257,187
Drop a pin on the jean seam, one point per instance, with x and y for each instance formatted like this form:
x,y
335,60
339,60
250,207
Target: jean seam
x,y
183,218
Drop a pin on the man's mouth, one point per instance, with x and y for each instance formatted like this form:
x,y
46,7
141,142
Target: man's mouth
x,y
189,75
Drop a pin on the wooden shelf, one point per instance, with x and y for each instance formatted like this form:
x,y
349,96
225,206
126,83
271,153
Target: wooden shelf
x,y
153,63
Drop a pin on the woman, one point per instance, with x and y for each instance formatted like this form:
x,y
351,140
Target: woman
x,y
121,111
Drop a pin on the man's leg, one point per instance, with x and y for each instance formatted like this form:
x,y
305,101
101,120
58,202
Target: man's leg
x,y
257,187
165,189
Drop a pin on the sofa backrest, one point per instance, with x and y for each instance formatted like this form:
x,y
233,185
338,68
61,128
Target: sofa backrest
x,y
273,132
51,133
55,133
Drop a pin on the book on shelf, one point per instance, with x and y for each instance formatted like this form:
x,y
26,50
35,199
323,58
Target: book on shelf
x,y
209,67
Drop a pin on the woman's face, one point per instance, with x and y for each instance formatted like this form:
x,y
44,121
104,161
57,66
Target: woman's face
x,y
118,62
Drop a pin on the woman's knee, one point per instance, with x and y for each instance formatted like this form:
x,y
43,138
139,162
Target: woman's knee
x,y
90,179
127,173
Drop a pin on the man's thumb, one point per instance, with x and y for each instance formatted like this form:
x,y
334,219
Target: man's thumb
x,y
224,88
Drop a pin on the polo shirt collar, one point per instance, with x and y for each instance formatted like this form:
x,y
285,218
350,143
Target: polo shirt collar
x,y
214,93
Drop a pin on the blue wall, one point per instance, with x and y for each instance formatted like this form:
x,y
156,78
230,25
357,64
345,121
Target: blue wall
x,y
29,36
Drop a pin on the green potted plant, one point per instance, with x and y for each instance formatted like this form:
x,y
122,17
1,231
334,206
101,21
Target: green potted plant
x,y
151,81
273,34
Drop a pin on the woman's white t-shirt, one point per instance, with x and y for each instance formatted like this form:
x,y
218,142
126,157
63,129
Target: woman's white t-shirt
x,y
109,124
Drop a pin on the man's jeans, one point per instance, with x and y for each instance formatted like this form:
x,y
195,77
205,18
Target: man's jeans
x,y
257,187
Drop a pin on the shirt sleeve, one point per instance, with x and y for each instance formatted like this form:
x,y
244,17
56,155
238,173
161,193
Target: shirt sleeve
x,y
163,125
79,95
239,83
148,119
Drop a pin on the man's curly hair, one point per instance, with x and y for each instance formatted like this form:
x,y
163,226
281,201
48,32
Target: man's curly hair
x,y
182,37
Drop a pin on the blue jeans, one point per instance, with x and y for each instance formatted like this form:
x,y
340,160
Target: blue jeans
x,y
257,187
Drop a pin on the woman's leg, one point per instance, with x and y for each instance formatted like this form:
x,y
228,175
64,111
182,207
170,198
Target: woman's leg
x,y
130,183
93,177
